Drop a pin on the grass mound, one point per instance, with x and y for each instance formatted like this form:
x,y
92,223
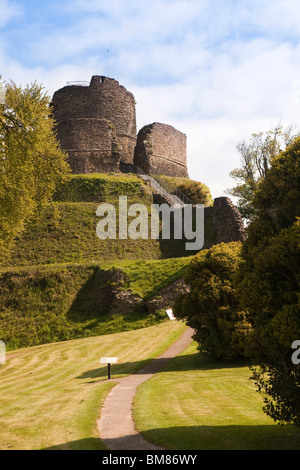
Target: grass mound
x,y
98,187
45,304
59,282
66,231
197,192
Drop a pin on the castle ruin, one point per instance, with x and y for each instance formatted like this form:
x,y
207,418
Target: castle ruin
x,y
161,150
96,126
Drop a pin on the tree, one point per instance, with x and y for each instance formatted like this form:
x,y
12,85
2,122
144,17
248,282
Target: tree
x,y
267,285
31,161
211,308
256,158
197,192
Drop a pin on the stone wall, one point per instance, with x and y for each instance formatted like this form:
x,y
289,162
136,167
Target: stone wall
x,y
92,145
84,114
161,150
223,223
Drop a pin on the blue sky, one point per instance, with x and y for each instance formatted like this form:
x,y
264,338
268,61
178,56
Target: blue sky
x,y
217,70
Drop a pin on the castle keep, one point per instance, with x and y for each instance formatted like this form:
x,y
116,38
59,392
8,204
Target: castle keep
x,y
96,126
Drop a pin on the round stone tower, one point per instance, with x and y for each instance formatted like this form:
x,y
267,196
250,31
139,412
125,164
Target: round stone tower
x,y
161,150
96,125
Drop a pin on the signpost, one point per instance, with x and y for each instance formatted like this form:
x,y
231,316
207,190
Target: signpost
x,y
108,361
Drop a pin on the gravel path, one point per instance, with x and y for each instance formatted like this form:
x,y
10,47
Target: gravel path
x,y
116,426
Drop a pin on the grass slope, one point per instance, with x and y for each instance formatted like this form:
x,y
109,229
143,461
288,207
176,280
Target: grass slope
x,y
44,304
51,396
198,405
66,231
58,283
71,238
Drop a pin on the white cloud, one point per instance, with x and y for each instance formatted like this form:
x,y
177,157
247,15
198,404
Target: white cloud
x,y
8,11
217,71
249,89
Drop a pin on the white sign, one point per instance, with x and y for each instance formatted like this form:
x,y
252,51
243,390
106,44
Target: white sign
x,y
170,314
2,353
108,360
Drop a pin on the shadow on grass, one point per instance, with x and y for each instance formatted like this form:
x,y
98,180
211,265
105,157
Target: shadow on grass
x,y
93,298
116,369
82,444
255,437
166,364
260,437
197,361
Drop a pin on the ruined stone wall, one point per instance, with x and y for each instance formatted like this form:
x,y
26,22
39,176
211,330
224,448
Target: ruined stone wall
x,y
161,150
81,112
223,223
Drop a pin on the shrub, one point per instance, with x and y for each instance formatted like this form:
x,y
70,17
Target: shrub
x,y
268,285
211,308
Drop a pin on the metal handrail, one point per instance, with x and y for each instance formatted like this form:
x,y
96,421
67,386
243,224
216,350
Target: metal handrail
x,y
183,197
78,83
177,192
177,198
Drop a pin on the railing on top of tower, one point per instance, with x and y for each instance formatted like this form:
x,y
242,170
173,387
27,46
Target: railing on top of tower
x,y
78,83
171,192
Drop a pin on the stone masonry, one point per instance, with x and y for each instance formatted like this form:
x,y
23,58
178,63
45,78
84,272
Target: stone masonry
x,y
161,150
223,222
96,125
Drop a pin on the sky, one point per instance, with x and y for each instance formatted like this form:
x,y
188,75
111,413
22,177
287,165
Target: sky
x,y
217,70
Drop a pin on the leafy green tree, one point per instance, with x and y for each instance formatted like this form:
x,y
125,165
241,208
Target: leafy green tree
x,y
197,192
256,158
211,308
31,161
267,285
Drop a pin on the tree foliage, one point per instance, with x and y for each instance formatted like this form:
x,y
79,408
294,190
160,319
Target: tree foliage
x,y
211,308
256,159
268,285
197,192
31,161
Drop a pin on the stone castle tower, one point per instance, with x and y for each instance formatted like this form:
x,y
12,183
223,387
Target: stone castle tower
x,y
96,126
161,150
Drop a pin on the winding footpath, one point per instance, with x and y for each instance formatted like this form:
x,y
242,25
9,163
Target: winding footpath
x,y
116,425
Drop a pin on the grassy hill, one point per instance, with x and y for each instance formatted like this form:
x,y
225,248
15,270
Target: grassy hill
x,y
66,231
61,280
44,304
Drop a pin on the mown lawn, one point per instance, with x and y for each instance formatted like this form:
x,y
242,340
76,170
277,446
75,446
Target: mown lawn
x,y
195,404
51,395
